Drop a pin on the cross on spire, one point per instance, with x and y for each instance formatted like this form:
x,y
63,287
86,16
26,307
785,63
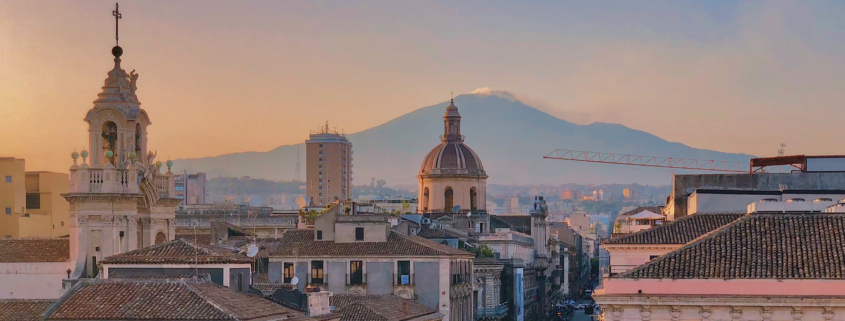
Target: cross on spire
x,y
117,16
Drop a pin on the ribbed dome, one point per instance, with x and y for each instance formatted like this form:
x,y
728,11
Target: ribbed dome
x,y
452,158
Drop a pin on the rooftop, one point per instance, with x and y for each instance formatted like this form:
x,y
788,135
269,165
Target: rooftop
x,y
680,231
23,310
160,300
759,246
179,251
355,307
301,242
34,250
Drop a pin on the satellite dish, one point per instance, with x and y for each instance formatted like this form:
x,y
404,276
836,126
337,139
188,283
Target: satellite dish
x,y
456,208
302,201
252,250
294,280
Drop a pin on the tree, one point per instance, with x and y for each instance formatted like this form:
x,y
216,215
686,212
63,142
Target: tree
x,y
310,216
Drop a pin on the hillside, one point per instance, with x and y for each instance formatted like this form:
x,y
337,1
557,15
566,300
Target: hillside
x,y
510,137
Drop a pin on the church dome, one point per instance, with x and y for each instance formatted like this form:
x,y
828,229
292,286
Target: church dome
x,y
452,156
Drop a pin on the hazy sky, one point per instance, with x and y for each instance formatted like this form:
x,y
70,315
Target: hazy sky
x,y
221,77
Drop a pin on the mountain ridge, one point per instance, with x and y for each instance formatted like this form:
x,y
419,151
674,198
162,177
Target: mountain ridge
x,y
509,136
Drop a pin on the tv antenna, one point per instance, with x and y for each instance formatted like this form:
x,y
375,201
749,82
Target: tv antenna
x,y
782,150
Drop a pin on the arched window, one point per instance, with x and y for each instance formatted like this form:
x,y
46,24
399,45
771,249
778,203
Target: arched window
x,y
448,198
138,139
110,139
425,200
160,238
473,199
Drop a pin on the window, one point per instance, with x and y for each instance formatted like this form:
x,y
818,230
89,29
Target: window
x,y
8,211
321,145
319,235
33,201
180,188
8,179
359,233
404,275
63,223
321,159
316,272
356,273
321,187
652,257
288,272
321,153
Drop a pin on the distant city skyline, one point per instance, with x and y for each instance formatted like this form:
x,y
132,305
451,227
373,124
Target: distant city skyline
x,y
220,77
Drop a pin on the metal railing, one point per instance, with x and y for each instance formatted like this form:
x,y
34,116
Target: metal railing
x,y
616,269
354,280
318,281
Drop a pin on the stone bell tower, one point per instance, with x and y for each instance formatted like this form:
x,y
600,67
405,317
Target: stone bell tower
x,y
119,199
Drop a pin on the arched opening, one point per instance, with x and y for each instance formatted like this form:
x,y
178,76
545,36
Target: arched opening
x,y
138,139
425,200
160,238
473,199
110,140
448,198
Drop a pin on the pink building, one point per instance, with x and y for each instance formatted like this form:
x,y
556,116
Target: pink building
x,y
762,266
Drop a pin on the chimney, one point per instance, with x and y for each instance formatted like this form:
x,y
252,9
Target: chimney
x,y
318,303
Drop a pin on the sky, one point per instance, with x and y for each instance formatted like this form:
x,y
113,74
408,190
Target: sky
x,y
219,77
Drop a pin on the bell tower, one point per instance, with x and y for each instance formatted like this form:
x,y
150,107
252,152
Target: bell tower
x,y
119,198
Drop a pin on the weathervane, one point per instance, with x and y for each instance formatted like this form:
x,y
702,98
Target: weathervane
x,y
117,16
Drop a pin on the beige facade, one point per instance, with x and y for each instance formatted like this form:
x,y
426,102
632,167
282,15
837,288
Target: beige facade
x,y
31,204
328,167
452,178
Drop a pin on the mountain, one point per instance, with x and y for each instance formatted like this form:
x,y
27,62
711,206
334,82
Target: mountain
x,y
509,136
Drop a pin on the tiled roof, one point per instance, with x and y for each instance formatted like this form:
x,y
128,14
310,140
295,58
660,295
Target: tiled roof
x,y
354,307
34,250
270,286
178,251
301,242
680,231
430,233
23,310
759,246
160,300
199,238
653,209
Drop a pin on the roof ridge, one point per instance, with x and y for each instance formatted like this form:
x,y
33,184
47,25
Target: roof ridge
x,y
448,250
689,244
661,227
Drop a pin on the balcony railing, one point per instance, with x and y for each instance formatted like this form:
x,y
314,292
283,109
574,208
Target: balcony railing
x,y
498,311
403,279
616,269
318,281
356,279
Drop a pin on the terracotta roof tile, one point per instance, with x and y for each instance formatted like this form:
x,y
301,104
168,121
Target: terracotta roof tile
x,y
680,231
759,246
355,307
301,242
23,310
160,300
178,251
34,250
430,233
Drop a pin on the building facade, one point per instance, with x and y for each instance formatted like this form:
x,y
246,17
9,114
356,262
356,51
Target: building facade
x,y
191,188
31,202
328,167
451,177
360,254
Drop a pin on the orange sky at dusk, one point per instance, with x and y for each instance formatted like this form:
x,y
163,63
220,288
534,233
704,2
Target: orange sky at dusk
x,y
222,77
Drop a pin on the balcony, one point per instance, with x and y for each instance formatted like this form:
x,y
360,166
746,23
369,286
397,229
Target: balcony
x,y
321,283
616,269
356,284
403,285
497,312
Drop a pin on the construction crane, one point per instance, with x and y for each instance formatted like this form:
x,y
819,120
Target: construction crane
x,y
648,161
